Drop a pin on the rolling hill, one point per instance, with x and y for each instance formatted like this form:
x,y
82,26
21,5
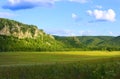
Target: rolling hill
x,y
16,36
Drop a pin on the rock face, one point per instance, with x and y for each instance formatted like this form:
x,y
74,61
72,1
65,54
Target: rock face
x,y
20,30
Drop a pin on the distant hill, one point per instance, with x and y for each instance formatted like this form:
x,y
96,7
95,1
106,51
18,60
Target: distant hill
x,y
91,42
112,44
16,36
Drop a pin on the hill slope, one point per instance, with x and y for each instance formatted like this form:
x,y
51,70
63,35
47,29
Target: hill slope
x,y
91,42
17,29
16,36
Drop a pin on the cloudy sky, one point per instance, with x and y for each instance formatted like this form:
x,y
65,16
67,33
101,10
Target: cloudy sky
x,y
66,17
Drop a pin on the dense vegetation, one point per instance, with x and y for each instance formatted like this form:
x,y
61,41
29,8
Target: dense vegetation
x,y
10,43
103,43
109,70
60,65
16,36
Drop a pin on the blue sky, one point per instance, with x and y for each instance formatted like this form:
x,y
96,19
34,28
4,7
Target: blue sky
x,y
66,17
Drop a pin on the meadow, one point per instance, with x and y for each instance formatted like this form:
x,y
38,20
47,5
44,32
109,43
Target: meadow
x,y
60,65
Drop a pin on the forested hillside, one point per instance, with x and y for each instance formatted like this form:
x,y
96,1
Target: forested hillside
x,y
16,36
90,42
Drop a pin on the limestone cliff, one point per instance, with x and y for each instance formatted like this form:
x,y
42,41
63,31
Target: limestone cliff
x,y
20,30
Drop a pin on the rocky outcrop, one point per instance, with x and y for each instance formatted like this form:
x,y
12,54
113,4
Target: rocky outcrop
x,y
20,30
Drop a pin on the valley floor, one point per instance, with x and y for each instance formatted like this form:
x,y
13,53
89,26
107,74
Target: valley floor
x,y
60,65
19,58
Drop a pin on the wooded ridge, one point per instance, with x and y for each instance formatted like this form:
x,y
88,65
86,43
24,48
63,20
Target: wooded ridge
x,y
16,36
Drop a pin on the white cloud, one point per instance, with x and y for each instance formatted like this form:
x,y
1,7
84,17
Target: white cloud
x,y
79,1
27,4
61,32
6,14
89,12
31,1
85,33
14,1
70,32
74,16
103,15
111,33
99,6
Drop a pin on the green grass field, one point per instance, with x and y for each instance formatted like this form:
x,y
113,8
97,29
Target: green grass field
x,y
14,58
60,65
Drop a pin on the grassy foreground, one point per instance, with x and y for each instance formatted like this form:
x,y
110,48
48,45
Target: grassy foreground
x,y
60,65
21,58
